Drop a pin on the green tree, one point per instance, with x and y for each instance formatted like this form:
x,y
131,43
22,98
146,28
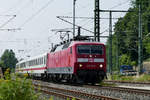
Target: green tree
x,y
1,63
126,34
8,59
125,60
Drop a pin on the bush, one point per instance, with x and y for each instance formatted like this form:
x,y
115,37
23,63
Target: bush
x,y
15,88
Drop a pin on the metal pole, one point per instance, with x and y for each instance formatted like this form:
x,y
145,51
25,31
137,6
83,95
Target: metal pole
x,y
96,21
79,31
140,44
74,2
117,52
110,42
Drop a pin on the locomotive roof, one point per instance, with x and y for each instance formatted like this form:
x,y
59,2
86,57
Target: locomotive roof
x,y
84,42
69,44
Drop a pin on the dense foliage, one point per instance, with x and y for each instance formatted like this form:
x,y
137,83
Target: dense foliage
x,y
15,88
8,59
126,34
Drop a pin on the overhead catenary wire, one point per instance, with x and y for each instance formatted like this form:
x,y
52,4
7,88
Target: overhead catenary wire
x,y
8,21
16,5
59,17
7,15
89,21
120,4
13,6
36,13
85,17
79,26
81,9
23,7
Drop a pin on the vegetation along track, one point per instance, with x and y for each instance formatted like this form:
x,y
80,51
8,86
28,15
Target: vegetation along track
x,y
65,93
128,83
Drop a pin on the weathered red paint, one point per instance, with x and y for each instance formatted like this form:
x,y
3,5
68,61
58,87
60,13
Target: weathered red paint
x,y
64,58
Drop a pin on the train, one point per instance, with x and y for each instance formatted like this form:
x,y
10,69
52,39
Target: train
x,y
73,62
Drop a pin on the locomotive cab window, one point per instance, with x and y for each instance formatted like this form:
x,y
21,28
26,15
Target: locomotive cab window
x,y
96,49
90,49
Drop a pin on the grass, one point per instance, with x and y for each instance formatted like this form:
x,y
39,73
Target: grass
x,y
107,84
141,78
147,59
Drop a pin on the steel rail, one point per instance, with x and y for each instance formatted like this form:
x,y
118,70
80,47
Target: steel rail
x,y
57,94
74,94
121,89
129,82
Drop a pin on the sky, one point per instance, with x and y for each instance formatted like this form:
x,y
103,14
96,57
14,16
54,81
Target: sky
x,y
32,22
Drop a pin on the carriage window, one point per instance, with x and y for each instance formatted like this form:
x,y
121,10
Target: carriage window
x,y
29,63
44,59
22,65
41,61
38,63
90,49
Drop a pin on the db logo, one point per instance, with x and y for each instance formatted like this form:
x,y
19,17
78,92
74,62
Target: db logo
x,y
91,60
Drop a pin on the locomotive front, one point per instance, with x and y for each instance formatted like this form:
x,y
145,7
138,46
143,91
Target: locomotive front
x,y
90,62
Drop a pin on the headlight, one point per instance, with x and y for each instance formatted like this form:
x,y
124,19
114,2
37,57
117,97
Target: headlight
x,y
101,66
80,65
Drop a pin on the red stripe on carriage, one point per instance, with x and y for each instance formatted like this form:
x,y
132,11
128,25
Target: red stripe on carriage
x,y
41,68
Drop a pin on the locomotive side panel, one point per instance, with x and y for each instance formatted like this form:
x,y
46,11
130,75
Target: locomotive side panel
x,y
60,62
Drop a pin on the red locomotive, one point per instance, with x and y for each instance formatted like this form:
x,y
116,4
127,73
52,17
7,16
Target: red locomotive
x,y
78,61
81,62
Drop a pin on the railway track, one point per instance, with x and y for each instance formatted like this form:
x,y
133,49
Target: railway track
x,y
97,92
124,93
122,89
128,82
65,93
